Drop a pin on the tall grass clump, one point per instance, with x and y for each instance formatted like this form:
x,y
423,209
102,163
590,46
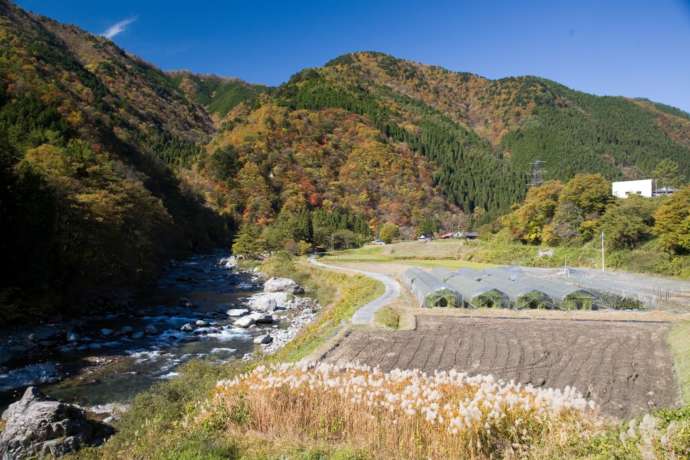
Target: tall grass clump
x,y
400,414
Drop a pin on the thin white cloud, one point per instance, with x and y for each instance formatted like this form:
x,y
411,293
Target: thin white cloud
x,y
118,27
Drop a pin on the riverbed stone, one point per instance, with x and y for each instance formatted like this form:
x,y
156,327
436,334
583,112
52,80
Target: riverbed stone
x,y
237,312
126,330
263,339
269,301
38,426
201,323
245,321
187,327
282,285
262,318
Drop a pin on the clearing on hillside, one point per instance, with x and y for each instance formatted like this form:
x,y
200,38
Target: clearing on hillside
x,y
626,367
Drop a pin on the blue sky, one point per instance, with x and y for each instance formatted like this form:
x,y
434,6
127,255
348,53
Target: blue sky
x,y
632,48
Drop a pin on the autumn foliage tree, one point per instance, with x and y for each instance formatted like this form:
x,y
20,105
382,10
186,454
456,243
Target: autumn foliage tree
x,y
628,222
672,222
389,231
526,223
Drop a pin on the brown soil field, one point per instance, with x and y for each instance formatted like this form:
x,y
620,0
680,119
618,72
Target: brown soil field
x,y
625,366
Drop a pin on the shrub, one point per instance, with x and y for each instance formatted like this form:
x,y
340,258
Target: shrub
x,y
628,223
248,242
389,232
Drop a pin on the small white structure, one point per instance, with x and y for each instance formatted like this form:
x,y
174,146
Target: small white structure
x,y
644,187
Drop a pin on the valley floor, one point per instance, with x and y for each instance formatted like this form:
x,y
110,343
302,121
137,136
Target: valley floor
x,y
630,363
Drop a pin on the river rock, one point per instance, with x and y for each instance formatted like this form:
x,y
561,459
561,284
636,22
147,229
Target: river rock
x,y
37,426
201,323
267,301
237,312
263,339
72,336
126,330
187,327
244,322
282,285
261,318
228,262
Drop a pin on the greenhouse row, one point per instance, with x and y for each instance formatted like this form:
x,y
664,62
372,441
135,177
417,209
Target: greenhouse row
x,y
511,287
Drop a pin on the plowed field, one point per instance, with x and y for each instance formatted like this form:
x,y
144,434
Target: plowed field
x,y
625,367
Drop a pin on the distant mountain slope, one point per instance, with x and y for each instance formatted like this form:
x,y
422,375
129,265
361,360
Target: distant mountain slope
x,y
288,160
528,118
219,95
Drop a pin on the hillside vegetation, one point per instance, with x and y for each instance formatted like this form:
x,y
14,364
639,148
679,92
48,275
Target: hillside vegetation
x,y
112,166
90,142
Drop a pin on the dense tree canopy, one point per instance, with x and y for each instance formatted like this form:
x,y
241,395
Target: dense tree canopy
x,y
672,222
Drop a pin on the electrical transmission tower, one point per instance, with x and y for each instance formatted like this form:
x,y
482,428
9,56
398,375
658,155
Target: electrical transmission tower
x,y
537,173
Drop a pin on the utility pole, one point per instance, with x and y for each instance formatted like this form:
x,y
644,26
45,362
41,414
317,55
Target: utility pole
x,y
603,256
536,173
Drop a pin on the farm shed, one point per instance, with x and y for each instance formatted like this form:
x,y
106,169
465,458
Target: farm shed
x,y
430,291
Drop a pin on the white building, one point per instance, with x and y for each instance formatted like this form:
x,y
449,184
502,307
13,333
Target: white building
x,y
644,187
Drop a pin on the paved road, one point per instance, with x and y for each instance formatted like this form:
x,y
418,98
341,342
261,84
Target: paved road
x,y
365,315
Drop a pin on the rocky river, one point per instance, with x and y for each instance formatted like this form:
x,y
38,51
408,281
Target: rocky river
x,y
202,308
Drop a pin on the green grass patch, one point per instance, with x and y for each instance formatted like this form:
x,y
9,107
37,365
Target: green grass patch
x,y
648,258
679,341
388,317
352,293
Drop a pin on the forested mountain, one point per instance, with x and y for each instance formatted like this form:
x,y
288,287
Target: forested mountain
x,y
110,166
218,94
91,140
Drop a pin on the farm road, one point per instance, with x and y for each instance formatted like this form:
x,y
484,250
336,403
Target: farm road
x,y
365,315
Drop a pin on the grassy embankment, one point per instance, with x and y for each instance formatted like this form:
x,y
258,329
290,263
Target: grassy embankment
x,y
679,341
158,424
481,253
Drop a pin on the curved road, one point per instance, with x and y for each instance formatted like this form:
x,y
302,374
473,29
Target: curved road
x,y
365,314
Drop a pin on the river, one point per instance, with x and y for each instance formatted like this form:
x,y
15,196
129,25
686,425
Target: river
x,y
108,359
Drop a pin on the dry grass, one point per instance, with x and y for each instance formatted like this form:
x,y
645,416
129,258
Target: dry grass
x,y
388,317
401,414
577,315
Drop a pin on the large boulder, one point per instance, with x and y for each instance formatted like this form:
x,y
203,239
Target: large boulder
x,y
268,301
282,285
261,318
254,318
37,426
244,322
237,312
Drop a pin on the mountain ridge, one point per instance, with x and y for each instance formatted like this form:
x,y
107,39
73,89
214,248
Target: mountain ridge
x,y
108,153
